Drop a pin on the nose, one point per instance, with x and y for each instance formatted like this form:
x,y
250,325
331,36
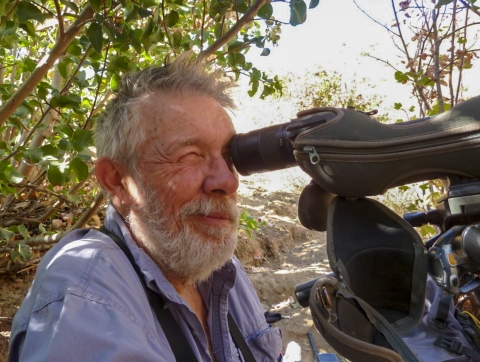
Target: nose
x,y
222,179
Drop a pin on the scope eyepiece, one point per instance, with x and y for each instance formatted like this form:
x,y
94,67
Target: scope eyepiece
x,y
271,148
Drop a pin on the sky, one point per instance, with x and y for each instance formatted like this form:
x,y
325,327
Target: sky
x,y
333,38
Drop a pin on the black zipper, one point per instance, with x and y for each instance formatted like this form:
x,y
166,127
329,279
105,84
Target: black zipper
x,y
317,153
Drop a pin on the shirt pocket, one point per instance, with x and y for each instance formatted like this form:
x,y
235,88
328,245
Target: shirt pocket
x,y
266,344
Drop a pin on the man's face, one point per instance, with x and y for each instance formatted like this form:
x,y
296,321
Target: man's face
x,y
184,213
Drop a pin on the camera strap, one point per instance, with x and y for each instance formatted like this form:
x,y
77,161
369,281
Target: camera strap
x,y
175,337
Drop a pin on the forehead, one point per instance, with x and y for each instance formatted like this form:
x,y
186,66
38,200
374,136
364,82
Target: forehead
x,y
183,117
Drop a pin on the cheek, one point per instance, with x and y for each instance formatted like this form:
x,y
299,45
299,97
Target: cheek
x,y
181,186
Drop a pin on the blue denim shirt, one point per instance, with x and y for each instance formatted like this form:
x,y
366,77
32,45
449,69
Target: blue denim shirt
x,y
86,304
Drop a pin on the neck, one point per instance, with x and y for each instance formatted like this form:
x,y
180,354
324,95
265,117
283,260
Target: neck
x,y
181,285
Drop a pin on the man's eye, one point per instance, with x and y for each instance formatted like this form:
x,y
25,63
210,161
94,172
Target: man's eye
x,y
190,156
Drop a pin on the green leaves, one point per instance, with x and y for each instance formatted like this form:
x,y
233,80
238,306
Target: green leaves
x,y
171,19
81,139
249,224
425,81
265,11
401,77
443,3
6,234
115,82
27,11
96,5
95,35
313,4
298,12
55,175
8,28
265,52
78,169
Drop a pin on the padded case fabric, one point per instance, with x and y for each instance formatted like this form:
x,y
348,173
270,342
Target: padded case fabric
x,y
359,156
375,307
384,259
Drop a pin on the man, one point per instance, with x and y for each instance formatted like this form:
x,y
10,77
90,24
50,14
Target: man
x,y
163,157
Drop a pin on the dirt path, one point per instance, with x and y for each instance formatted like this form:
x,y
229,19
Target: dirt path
x,y
280,256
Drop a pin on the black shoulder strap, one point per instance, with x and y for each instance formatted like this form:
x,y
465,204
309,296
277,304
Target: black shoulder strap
x,y
178,343
239,340
443,310
176,339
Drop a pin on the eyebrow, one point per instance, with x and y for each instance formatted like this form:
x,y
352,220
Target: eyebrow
x,y
192,141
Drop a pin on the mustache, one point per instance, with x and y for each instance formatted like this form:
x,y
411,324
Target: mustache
x,y
205,206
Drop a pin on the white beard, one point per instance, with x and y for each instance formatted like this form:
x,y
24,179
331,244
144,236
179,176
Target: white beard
x,y
187,254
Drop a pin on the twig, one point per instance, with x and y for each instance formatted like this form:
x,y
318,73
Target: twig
x,y
235,29
375,20
88,213
5,18
461,28
44,66
46,9
19,221
381,60
469,7
436,62
28,268
40,189
462,59
48,109
98,88
244,45
166,29
452,56
41,240
57,204
28,265
203,24
60,20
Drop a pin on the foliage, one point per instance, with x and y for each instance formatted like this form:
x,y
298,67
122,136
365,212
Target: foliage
x,y
249,224
436,45
60,61
322,89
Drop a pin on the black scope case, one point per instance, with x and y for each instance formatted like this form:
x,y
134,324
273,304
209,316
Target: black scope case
x,y
354,155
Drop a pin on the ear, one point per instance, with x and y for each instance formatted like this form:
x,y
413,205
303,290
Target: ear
x,y
112,178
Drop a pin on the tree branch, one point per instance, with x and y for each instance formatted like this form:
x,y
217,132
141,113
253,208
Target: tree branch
x,y
57,204
202,29
44,65
469,7
60,20
381,60
375,20
48,109
166,29
8,14
248,16
452,56
52,239
436,61
460,75
98,88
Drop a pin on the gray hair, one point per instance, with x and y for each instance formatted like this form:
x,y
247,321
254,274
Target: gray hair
x,y
118,133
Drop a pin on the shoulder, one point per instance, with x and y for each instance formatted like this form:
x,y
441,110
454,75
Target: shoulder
x,y
73,262
86,264
85,280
